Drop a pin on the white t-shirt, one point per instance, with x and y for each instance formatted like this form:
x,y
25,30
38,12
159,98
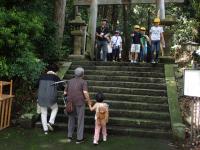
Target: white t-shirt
x,y
155,33
117,40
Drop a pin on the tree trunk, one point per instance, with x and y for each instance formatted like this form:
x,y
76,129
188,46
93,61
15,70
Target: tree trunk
x,y
59,19
125,55
115,14
90,50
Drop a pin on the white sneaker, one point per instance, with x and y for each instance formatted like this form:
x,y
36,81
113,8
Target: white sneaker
x,y
104,139
49,125
69,140
95,142
131,61
46,132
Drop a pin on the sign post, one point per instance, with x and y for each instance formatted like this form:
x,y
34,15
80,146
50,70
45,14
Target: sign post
x,y
192,89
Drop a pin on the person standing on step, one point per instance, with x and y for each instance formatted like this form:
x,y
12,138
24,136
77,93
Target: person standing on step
x,y
101,117
102,33
156,37
47,97
144,41
109,55
77,91
116,42
135,46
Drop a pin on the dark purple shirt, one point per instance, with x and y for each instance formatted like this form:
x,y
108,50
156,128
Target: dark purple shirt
x,y
75,88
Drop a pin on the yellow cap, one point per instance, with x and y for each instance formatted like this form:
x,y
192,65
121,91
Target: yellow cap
x,y
136,27
156,20
143,29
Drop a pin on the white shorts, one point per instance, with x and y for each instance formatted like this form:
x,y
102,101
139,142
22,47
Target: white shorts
x,y
135,48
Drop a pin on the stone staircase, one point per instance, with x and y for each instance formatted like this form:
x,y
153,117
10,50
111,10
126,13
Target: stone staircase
x,y
136,94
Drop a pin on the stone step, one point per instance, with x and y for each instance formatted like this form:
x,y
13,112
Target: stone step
x,y
121,73
131,91
101,63
125,122
120,68
134,105
118,130
139,114
120,78
161,86
128,97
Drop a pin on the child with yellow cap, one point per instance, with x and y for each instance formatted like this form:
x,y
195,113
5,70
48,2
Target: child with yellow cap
x,y
135,46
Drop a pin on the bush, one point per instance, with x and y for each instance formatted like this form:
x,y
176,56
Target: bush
x,y
19,33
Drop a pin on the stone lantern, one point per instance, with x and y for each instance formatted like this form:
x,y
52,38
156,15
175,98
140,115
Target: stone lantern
x,y
168,34
79,33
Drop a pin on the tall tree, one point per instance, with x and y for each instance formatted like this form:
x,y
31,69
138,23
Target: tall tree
x,y
126,32
59,19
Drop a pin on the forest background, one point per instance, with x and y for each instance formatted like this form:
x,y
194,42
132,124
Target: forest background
x,y
29,41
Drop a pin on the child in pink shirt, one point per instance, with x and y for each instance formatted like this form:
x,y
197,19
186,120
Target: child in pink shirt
x,y
101,117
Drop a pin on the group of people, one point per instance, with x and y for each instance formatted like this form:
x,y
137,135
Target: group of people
x,y
76,91
142,46
108,47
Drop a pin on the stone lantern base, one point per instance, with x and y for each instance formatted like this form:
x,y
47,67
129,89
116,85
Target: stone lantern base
x,y
76,57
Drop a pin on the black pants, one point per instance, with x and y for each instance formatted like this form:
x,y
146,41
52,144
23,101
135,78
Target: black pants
x,y
116,54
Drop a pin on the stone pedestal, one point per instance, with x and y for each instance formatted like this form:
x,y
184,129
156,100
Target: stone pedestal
x,y
78,32
168,34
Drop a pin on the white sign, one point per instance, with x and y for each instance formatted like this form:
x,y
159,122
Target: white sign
x,y
192,83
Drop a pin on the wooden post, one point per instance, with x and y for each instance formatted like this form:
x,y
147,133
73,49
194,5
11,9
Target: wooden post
x,y
92,29
1,88
11,84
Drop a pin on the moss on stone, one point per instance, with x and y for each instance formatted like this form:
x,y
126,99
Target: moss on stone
x,y
63,69
178,127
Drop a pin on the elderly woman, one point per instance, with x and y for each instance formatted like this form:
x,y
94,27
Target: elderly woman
x,y
77,92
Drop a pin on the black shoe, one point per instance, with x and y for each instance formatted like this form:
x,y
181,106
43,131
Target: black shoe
x,y
79,141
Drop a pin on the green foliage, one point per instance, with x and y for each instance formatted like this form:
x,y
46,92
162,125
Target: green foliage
x,y
33,67
4,68
188,23
19,33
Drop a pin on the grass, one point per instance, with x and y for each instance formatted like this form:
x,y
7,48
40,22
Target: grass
x,y
34,139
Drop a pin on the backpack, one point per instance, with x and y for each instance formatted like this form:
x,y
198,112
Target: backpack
x,y
101,113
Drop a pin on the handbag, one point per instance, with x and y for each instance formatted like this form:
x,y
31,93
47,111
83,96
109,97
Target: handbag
x,y
69,107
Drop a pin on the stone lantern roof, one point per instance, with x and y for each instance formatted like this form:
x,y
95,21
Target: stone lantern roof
x,y
78,21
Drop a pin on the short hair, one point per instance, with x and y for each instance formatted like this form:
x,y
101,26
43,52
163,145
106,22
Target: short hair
x,y
106,20
79,72
99,97
52,67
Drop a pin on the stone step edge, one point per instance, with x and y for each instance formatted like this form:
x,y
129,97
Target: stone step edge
x,y
71,71
154,132
71,75
113,66
166,123
132,103
144,96
133,111
122,88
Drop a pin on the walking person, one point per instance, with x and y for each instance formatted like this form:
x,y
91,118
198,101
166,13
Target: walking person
x,y
101,117
157,38
116,42
47,97
144,40
77,92
135,46
102,33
